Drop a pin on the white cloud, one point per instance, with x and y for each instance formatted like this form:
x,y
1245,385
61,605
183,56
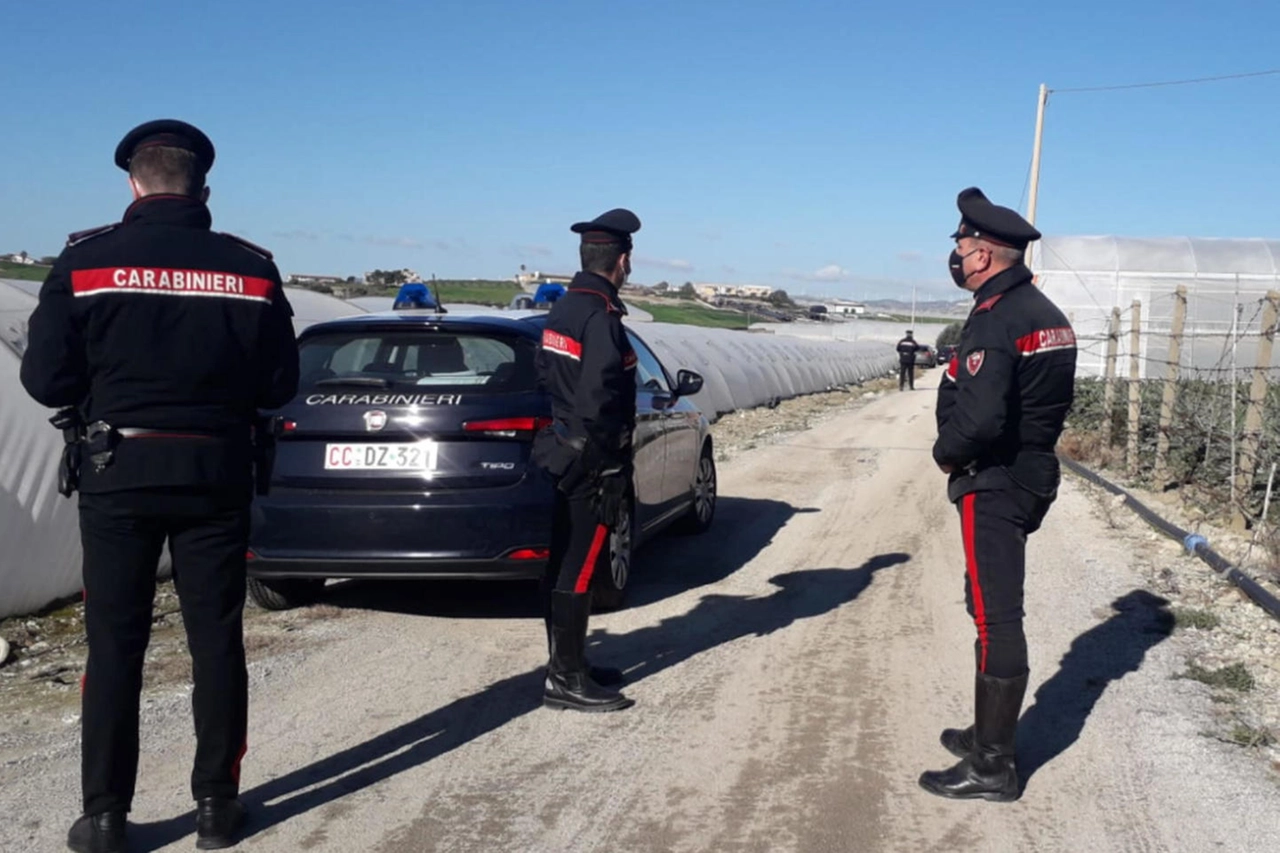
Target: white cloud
x,y
674,264
831,272
911,256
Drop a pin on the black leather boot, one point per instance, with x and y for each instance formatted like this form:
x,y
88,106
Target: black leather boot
x,y
99,833
606,675
988,770
218,822
569,685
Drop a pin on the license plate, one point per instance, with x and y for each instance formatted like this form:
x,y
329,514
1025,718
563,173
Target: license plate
x,y
418,456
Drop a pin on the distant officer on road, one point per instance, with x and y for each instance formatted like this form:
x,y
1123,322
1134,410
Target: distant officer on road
x,y
160,339
1001,408
907,348
588,367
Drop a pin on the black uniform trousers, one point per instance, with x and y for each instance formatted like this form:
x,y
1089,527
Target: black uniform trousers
x,y
906,375
123,534
579,542
995,525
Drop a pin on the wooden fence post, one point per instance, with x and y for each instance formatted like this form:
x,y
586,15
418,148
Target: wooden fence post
x,y
1170,386
1252,438
1135,388
1109,374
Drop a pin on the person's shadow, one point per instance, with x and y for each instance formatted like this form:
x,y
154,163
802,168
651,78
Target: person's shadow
x,y
715,620
1099,656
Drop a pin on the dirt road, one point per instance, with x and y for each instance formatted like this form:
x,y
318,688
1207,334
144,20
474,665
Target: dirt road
x,y
792,670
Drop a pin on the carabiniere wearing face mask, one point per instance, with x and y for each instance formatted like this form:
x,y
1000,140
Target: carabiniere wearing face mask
x,y
1001,408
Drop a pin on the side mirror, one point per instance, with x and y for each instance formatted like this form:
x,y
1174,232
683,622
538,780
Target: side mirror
x,y
688,383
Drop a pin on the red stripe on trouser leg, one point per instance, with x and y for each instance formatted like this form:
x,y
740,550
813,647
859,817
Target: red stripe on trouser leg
x,y
235,768
971,561
593,555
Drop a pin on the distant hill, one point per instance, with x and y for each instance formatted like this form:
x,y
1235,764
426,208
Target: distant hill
x,y
934,308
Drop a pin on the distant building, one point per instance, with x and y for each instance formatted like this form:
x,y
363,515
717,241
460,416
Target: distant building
x,y
709,292
844,307
19,258
301,279
532,279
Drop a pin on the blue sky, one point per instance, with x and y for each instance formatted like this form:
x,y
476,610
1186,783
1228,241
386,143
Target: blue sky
x,y
816,146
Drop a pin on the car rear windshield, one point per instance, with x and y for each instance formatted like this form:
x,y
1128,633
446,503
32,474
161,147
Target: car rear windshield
x,y
420,358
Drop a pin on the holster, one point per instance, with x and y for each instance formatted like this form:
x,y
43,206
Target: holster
x,y
69,422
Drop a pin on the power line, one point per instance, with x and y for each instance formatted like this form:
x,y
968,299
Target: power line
x,y
1168,82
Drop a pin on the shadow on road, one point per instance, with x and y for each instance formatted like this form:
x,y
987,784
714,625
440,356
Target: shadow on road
x,y
668,565
717,619
1099,656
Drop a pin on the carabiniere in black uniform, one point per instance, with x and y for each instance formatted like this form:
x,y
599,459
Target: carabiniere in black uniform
x,y
588,367
159,339
1001,407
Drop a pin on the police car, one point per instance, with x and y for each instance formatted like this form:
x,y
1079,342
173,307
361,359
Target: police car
x,y
405,454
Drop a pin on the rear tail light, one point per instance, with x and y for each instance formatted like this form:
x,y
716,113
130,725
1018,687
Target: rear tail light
x,y
507,427
530,554
249,556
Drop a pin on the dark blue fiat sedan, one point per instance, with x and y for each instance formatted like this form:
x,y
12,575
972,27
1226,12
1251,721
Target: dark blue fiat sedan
x,y
406,455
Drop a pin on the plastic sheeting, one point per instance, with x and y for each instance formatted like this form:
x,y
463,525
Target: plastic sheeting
x,y
1088,276
39,529
40,559
743,370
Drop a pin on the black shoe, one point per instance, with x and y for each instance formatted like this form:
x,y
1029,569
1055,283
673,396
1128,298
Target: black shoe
x,y
988,770
569,684
99,833
958,742
218,821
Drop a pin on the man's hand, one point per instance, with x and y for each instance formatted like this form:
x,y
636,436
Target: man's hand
x,y
946,467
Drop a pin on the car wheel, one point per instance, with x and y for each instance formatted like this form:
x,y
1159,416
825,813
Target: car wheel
x,y
609,586
703,511
285,593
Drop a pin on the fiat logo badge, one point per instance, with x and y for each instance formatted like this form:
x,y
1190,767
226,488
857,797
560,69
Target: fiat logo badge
x,y
375,420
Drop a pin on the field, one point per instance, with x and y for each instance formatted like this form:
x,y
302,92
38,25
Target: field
x,y
498,293
691,314
25,272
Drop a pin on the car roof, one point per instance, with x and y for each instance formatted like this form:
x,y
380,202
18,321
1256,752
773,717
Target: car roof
x,y
526,323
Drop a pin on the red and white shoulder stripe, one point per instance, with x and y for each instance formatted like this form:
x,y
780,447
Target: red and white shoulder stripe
x,y
1047,340
561,345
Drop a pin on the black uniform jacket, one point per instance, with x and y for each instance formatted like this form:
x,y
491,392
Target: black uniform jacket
x,y
1006,394
588,367
907,351
159,323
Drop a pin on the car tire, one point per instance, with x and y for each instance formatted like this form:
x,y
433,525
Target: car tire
x,y
285,593
609,585
703,512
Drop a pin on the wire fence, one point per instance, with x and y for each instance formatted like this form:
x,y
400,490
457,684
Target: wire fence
x,y
1195,407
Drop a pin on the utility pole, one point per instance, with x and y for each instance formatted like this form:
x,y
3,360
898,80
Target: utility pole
x,y
913,306
1034,191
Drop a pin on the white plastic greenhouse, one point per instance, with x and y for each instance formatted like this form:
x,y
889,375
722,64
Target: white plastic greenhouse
x,y
1088,276
40,561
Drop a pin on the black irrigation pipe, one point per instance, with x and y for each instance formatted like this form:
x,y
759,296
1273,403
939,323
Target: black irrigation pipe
x,y
1193,542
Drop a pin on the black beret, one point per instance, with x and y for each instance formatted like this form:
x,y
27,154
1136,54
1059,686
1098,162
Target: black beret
x,y
170,133
614,226
980,218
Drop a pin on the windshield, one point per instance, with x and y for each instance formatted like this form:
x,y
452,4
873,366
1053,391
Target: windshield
x,y
419,358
